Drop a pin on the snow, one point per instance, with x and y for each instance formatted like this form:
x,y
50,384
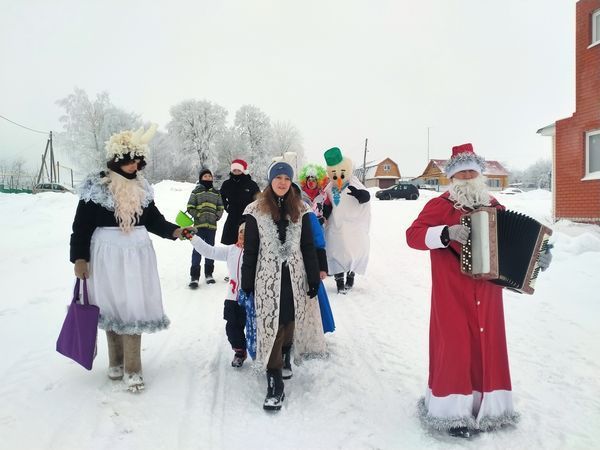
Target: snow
x,y
363,396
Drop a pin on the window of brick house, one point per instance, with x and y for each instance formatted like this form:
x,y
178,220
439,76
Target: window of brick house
x,y
592,154
596,27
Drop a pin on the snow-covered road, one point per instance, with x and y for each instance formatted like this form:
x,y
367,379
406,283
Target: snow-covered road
x,y
362,396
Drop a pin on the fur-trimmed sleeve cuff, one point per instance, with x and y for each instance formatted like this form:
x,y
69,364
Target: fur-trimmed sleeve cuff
x,y
433,238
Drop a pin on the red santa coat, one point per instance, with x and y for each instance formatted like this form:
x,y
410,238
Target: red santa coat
x,y
469,379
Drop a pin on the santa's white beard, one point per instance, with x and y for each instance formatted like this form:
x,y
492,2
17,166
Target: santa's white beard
x,y
128,196
469,193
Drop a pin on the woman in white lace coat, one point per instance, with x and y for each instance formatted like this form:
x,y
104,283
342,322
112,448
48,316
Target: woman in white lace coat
x,y
280,266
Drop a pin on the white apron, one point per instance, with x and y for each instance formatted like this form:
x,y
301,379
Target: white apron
x,y
124,281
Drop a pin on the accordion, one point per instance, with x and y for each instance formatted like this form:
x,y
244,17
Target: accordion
x,y
504,247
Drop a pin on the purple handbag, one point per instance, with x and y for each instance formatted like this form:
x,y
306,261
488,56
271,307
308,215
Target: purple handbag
x,y
77,338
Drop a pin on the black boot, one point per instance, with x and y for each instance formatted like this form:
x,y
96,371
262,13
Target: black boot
x,y
239,357
275,395
461,432
349,280
195,276
286,372
339,281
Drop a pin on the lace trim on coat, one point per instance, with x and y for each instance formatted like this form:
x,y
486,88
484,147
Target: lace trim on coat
x,y
308,335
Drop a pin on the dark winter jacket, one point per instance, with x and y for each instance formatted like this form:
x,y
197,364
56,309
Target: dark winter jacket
x,y
205,206
91,214
309,255
237,192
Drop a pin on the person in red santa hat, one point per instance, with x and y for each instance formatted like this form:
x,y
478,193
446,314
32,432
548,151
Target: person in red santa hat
x,y
469,386
237,192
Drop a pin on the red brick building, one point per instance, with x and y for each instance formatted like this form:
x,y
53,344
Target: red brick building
x,y
576,139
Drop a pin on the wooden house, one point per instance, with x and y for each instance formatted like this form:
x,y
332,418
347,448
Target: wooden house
x,y
382,174
433,175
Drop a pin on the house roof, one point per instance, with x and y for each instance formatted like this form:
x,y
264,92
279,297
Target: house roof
x,y
548,130
372,169
492,168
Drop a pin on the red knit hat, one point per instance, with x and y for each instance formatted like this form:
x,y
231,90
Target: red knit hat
x,y
464,158
239,164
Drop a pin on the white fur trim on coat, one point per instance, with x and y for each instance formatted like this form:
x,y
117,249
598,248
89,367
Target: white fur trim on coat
x,y
475,411
433,238
95,188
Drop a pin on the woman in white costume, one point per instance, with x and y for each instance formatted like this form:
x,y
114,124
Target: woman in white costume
x,y
111,247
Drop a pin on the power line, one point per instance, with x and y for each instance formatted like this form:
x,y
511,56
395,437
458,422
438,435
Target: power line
x,y
23,126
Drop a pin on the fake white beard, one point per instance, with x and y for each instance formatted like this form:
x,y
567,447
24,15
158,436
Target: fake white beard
x,y
469,193
128,196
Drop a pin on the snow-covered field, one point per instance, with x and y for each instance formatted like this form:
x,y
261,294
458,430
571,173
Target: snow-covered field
x,y
362,396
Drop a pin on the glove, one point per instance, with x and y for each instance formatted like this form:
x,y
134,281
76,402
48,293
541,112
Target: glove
x,y
545,259
361,195
459,233
312,291
82,269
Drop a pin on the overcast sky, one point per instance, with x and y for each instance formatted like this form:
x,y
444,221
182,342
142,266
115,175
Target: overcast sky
x,y
478,71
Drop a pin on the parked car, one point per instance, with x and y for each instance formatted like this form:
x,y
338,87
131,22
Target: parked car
x,y
50,187
511,191
402,190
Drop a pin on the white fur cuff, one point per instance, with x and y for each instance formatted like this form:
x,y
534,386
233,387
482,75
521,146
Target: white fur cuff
x,y
433,237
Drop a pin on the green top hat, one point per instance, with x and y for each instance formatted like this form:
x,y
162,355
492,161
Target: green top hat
x,y
333,156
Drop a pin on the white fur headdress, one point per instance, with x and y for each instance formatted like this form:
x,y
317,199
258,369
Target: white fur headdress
x,y
134,143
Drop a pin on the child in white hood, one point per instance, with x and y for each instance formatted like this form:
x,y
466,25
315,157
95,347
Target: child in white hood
x,y
233,313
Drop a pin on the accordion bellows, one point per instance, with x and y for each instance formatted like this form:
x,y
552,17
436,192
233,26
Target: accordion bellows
x,y
504,247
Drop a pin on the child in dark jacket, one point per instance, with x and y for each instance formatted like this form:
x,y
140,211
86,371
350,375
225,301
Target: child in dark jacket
x,y
233,313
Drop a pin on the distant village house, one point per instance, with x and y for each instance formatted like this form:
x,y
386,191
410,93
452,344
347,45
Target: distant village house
x,y
382,174
434,178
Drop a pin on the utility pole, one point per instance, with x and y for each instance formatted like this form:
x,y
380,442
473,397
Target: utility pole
x,y
52,173
428,144
364,171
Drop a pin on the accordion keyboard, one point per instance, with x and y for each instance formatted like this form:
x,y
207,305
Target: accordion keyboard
x,y
544,245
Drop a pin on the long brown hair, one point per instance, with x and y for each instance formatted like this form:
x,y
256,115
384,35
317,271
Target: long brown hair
x,y
292,201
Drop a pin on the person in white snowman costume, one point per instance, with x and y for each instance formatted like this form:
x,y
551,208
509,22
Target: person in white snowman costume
x,y
348,221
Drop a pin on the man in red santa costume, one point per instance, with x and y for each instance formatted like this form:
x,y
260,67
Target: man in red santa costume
x,y
469,386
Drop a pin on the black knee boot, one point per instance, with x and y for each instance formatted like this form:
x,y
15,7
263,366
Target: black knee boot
x,y
286,372
349,280
275,393
339,281
194,276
